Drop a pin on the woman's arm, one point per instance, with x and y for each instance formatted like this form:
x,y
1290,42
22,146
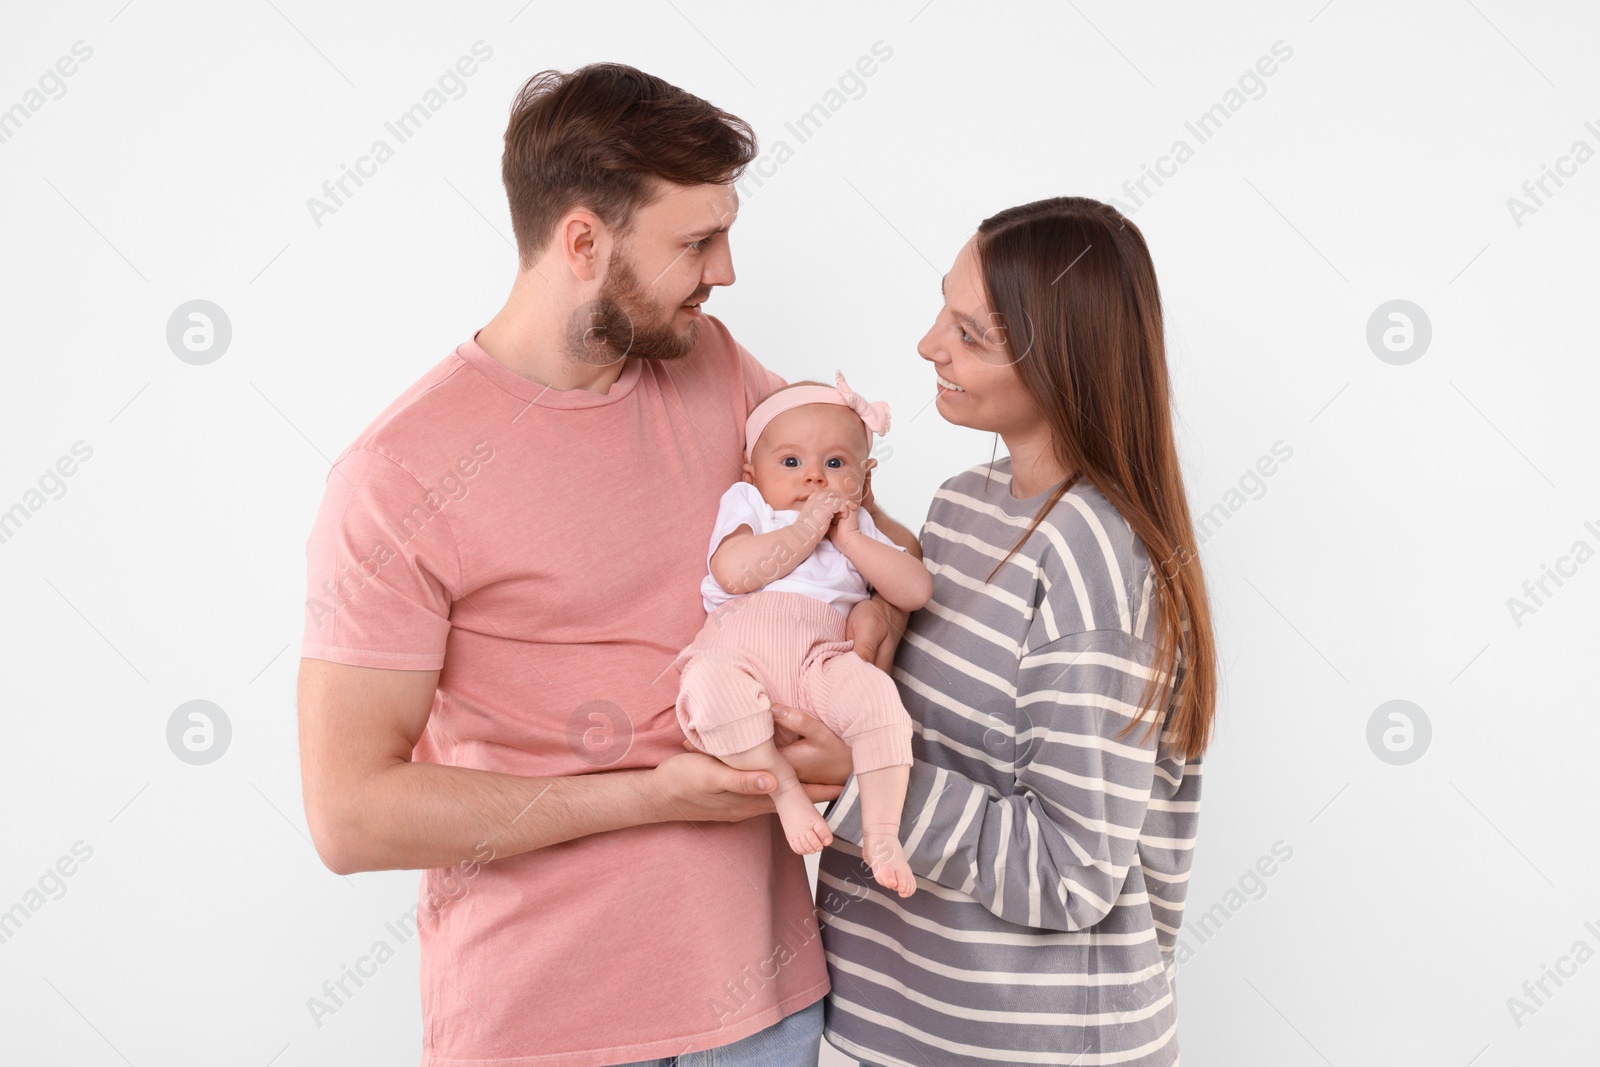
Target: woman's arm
x,y
1054,853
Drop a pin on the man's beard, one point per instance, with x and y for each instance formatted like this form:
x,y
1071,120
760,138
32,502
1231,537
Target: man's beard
x,y
623,321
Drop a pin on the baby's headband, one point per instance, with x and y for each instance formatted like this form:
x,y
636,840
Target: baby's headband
x,y
875,414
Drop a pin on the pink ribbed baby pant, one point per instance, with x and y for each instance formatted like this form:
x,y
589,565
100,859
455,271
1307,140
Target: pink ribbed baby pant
x,y
774,646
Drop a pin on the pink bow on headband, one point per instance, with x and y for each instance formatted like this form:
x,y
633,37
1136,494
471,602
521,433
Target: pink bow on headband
x,y
874,413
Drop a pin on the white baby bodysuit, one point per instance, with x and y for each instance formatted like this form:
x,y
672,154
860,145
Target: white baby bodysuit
x,y
825,575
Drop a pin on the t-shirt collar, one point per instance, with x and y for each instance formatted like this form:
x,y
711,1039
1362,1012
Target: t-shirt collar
x,y
545,396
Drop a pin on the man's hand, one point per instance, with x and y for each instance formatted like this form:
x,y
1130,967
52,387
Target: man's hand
x,y
701,788
875,625
817,754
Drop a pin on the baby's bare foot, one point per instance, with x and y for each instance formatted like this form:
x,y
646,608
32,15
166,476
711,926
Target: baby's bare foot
x,y
806,830
883,853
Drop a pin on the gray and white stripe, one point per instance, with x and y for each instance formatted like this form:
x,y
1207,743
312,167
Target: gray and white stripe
x,y
1052,855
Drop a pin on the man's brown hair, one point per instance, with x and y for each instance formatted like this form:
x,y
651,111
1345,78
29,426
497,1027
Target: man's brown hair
x,y
596,137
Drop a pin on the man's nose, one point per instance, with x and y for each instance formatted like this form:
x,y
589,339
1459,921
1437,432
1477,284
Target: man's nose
x,y
719,266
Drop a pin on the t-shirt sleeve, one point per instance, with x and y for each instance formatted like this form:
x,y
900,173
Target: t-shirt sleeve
x,y
741,505
758,380
382,569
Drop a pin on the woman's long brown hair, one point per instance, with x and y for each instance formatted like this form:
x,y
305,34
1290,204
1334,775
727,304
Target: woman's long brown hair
x,y
1074,291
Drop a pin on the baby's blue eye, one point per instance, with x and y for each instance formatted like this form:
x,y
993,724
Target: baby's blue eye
x,y
787,463
837,461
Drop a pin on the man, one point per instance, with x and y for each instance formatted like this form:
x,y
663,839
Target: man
x,y
503,567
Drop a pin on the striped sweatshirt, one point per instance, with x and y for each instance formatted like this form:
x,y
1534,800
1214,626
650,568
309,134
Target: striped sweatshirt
x,y
1052,858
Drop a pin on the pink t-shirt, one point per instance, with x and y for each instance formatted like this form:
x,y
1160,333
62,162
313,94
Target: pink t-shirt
x,y
545,549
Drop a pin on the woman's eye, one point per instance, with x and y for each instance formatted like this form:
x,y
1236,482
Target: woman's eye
x,y
966,338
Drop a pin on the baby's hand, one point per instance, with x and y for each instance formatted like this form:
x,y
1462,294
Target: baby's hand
x,y
820,508
848,525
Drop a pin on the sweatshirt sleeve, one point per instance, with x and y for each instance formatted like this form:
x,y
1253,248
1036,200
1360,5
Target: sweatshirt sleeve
x,y
1053,854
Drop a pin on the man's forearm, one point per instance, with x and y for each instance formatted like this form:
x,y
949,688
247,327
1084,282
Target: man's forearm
x,y
413,815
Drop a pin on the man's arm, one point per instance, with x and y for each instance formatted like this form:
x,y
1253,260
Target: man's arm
x,y
371,808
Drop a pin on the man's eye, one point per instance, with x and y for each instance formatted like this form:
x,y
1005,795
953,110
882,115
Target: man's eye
x,y
700,245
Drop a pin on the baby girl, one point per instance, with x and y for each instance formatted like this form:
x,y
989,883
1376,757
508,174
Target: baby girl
x,y
791,552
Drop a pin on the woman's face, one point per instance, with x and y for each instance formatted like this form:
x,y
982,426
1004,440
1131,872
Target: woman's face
x,y
967,347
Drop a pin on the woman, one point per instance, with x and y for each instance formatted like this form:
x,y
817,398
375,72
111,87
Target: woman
x,y
1062,682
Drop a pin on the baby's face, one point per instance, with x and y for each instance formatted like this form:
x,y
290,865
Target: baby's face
x,y
811,447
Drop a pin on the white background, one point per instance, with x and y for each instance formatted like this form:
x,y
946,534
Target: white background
x,y
1376,565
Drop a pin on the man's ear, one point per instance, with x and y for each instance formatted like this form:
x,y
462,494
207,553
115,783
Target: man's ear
x,y
582,234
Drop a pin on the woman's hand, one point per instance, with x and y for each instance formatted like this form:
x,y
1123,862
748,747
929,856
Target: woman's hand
x,y
819,755
820,759
875,625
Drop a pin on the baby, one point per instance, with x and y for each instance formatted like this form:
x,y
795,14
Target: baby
x,y
791,552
